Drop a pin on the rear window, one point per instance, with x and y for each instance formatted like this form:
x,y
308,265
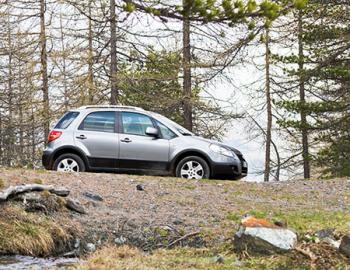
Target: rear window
x,y
66,120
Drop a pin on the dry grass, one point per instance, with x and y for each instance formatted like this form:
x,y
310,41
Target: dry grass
x,y
28,233
2,183
126,258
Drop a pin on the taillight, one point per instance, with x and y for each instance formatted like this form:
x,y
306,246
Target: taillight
x,y
54,134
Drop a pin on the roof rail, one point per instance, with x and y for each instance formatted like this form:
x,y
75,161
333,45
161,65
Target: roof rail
x,y
111,106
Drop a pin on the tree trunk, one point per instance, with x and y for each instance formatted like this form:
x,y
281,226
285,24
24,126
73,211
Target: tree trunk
x,y
63,47
44,76
10,136
269,109
187,88
90,61
113,41
21,125
304,128
32,135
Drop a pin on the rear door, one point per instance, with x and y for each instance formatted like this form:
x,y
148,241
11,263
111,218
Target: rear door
x,y
97,136
137,150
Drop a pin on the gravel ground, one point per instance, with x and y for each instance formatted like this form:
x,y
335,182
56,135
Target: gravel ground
x,y
182,203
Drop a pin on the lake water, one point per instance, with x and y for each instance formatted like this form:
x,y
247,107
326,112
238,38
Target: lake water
x,y
33,263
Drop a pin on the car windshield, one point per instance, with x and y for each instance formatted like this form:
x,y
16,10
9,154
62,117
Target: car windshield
x,y
173,125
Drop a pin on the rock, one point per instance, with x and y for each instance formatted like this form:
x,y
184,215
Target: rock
x,y
90,247
29,197
177,222
77,243
95,197
62,192
75,205
140,187
218,259
280,223
332,242
325,233
344,247
121,240
70,254
258,236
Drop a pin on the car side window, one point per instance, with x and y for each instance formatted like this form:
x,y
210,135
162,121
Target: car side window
x,y
135,123
166,132
99,121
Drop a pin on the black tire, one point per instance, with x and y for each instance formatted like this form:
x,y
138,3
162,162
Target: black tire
x,y
74,157
201,161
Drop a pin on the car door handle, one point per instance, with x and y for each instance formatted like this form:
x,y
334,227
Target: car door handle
x,y
126,140
81,137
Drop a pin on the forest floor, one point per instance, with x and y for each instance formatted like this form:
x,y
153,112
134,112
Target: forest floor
x,y
165,209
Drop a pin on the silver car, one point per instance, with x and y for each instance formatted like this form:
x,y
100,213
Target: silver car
x,y
130,139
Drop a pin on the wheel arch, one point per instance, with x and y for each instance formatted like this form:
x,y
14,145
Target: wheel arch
x,y
69,150
187,153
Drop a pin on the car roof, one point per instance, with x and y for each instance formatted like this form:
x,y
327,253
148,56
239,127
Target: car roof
x,y
110,107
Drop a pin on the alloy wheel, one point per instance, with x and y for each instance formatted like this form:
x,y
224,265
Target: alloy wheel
x,y
68,165
192,170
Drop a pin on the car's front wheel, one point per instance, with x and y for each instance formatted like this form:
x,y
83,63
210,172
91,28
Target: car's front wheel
x,y
69,163
193,167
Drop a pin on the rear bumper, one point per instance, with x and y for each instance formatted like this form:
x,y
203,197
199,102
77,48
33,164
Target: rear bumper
x,y
46,159
230,170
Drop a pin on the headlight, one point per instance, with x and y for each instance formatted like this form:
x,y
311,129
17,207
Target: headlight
x,y
222,151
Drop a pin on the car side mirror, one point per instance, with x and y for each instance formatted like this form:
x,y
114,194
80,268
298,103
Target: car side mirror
x,y
151,131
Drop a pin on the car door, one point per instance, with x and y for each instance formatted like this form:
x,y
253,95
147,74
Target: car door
x,y
97,137
138,150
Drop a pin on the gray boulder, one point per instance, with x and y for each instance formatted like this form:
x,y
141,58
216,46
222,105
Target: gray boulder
x,y
62,192
74,205
344,247
90,247
263,240
93,196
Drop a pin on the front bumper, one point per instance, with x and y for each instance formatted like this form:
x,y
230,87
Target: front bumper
x,y
230,170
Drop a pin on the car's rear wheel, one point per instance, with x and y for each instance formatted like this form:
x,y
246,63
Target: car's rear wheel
x,y
69,163
193,167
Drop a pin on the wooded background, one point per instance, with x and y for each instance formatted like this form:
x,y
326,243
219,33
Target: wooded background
x,y
169,57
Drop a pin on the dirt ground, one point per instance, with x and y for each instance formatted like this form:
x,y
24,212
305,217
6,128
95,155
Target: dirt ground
x,y
166,209
191,204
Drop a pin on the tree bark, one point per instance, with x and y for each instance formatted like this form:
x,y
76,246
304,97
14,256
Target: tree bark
x,y
90,60
187,88
303,120
113,41
65,88
10,135
44,76
268,108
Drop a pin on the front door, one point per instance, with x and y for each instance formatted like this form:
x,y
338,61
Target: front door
x,y
97,136
137,150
